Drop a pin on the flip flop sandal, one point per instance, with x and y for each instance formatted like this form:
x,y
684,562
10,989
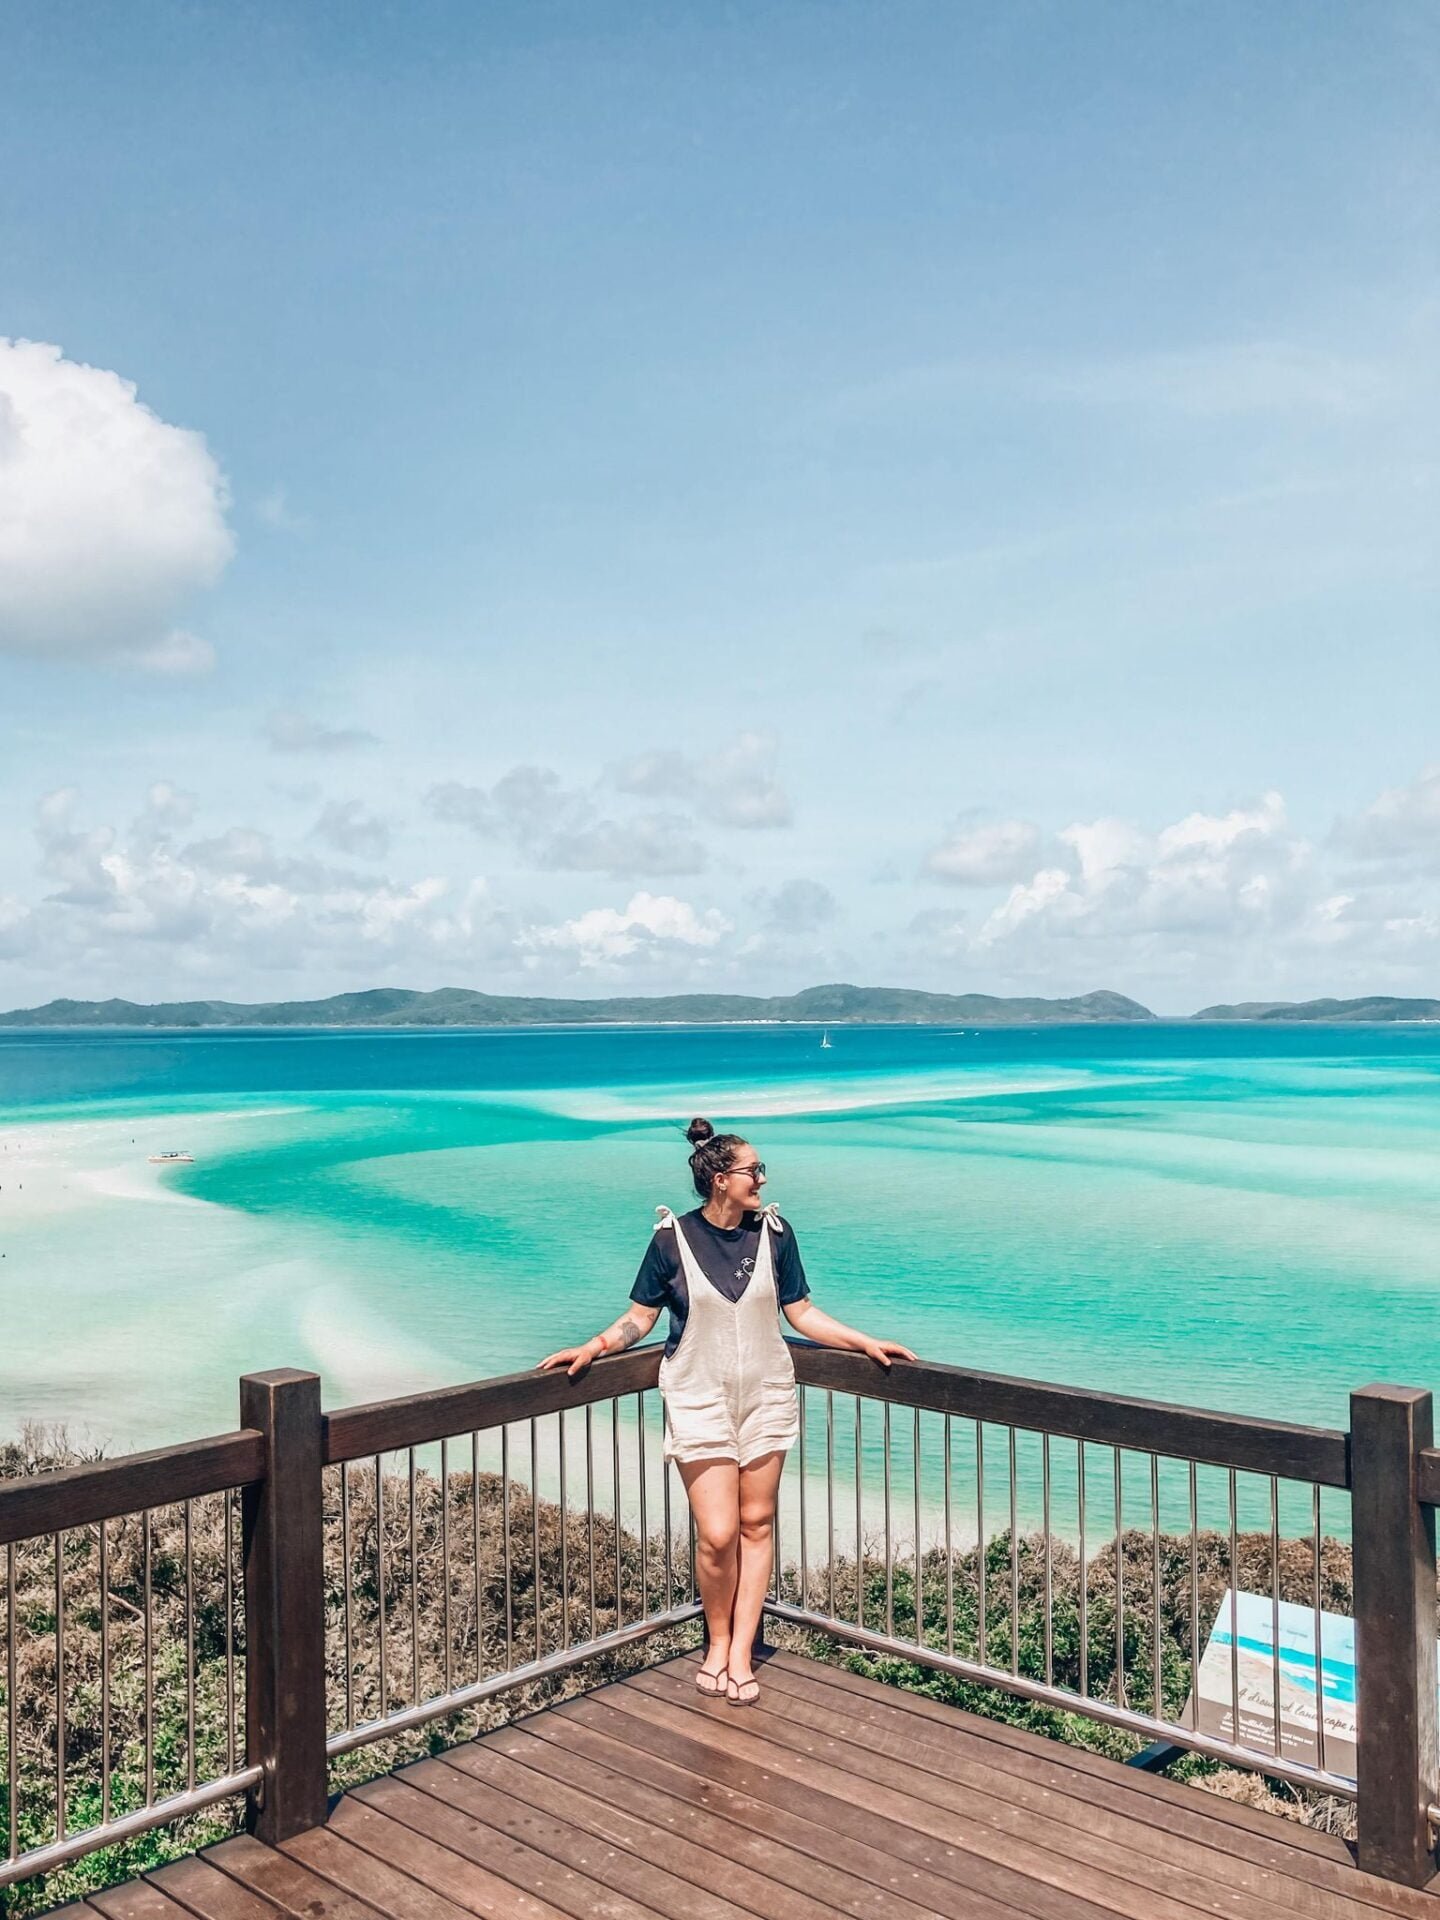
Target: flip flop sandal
x,y
736,1694
711,1685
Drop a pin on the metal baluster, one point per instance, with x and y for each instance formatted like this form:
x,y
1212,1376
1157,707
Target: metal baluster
x,y
445,1563
982,1598
804,1556
668,1524
590,1509
564,1534
1275,1609
535,1529
189,1648
505,1547
148,1631
1014,1563
1084,1571
830,1496
919,1562
949,1550
889,1541
775,1562
1158,1644
615,1475
12,1764
1194,1603
1319,1655
1234,1617
1048,1568
59,1686
477,1571
859,1524
230,1502
380,1586
105,1673
644,1522
349,1595
414,1589
1120,1699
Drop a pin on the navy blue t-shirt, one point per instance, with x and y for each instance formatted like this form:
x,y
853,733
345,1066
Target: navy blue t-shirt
x,y
727,1258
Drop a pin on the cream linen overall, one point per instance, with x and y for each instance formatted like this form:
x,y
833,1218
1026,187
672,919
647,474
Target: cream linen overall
x,y
729,1387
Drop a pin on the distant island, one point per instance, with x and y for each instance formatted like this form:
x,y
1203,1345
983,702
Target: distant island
x,y
460,1007
838,1005
1373,1010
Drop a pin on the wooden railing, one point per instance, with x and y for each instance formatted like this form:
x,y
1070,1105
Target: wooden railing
x,y
369,1601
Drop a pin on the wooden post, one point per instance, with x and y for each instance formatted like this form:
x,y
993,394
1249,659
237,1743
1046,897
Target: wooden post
x,y
1395,1620
285,1606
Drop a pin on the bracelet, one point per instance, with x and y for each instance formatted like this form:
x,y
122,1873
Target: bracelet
x,y
601,1343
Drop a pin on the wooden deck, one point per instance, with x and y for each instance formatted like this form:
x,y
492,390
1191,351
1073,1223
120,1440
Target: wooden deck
x,y
834,1796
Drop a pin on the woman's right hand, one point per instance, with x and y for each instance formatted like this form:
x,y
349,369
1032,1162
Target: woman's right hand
x,y
573,1359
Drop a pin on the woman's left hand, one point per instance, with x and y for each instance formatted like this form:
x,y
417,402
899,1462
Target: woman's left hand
x,y
884,1350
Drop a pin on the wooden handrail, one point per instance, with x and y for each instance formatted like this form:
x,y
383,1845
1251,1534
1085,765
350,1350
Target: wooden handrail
x,y
1320,1455
414,1419
42,1503
1427,1476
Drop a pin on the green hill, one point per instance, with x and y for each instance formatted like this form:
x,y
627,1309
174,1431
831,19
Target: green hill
x,y
1374,1009
460,1007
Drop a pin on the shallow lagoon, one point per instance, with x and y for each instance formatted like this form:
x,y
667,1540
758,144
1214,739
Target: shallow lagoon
x,y
1240,1217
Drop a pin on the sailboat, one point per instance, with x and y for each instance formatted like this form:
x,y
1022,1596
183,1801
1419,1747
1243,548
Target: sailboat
x,y
825,1041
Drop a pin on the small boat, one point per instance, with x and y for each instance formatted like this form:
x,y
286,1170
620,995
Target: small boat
x,y
173,1159
826,1040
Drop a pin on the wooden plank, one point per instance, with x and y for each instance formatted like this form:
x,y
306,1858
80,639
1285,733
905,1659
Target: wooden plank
x,y
1203,1851
1397,1738
202,1889
975,1821
1317,1454
283,1529
654,1832
398,1893
285,1883
573,1889
135,1900
537,1823
858,1879
103,1489
1170,1799
461,1881
800,1796
412,1419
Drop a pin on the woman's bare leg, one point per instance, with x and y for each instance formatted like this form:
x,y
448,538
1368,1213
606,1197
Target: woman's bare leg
x,y
759,1484
713,1487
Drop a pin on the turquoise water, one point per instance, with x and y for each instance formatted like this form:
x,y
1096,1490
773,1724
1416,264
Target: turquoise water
x,y
1234,1217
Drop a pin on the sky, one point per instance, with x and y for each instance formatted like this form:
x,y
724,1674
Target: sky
x,y
587,499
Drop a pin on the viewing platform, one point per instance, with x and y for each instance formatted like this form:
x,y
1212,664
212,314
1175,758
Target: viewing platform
x,y
242,1628
835,1795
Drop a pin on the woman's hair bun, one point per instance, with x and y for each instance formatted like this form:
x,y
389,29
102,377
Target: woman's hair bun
x,y
699,1131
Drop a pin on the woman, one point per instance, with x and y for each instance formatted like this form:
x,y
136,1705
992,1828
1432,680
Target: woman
x,y
727,1381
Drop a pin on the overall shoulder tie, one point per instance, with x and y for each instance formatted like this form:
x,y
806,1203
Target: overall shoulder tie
x,y
771,1216
664,1219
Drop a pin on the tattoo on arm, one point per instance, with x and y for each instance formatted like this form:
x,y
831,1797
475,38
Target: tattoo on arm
x,y
627,1332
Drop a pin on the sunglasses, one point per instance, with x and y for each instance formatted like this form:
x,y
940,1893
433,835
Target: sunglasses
x,y
754,1171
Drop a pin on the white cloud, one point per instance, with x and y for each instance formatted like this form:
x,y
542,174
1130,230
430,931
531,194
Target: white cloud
x,y
647,923
291,732
979,853
1403,824
737,787
562,830
799,906
346,826
111,520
